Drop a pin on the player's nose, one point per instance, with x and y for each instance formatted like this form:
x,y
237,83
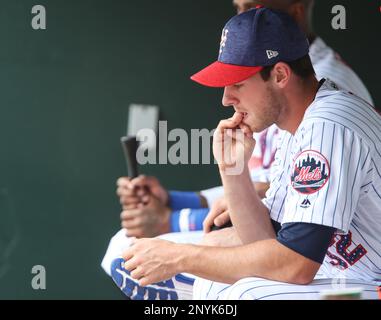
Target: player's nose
x,y
228,98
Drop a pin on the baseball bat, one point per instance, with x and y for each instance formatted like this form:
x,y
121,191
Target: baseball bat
x,y
130,146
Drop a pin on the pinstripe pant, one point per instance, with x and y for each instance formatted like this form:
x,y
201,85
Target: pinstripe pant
x,y
261,289
250,288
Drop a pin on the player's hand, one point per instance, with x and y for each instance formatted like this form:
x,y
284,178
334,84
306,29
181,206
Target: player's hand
x,y
130,198
150,185
153,260
233,145
148,221
137,192
218,215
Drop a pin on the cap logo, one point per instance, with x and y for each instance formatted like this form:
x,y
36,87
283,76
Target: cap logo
x,y
224,38
272,54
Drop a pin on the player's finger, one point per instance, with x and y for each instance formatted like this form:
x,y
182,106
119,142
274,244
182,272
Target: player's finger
x,y
138,273
129,207
236,119
207,226
125,192
246,130
147,280
128,255
208,222
142,191
218,208
126,200
131,224
222,219
131,264
123,182
231,123
129,214
141,182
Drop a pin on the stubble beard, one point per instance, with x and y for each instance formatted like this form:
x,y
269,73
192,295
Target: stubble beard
x,y
271,112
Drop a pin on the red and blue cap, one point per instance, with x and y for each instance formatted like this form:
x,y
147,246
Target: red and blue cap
x,y
250,41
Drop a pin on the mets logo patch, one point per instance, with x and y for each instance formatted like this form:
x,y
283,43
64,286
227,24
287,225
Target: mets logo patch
x,y
311,172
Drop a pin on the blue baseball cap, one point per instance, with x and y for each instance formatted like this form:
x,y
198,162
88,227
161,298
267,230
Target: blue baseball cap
x,y
250,41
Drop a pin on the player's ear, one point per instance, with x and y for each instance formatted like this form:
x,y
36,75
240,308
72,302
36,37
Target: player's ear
x,y
281,74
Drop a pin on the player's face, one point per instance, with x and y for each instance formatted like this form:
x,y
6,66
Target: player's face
x,y
257,99
244,5
284,5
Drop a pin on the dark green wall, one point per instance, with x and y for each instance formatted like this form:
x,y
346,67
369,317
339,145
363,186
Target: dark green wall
x,y
64,97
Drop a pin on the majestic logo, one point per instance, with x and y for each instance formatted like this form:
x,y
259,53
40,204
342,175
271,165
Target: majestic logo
x,y
306,204
224,38
311,172
272,54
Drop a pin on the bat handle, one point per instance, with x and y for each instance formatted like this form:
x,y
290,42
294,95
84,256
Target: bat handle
x,y
130,146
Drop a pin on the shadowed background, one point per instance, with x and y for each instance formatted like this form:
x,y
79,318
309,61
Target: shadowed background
x,y
64,100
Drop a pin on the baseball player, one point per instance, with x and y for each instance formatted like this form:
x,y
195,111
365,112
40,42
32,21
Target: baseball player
x,y
325,59
321,217
170,217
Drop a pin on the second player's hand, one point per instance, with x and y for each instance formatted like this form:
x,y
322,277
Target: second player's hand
x,y
148,221
153,260
150,186
133,192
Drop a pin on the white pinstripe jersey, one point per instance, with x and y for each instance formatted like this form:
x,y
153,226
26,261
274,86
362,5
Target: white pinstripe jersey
x,y
329,173
327,64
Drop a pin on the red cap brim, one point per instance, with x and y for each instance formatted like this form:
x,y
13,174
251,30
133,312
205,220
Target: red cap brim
x,y
219,74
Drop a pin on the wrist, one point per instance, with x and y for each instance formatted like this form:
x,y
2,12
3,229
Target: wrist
x,y
232,173
188,257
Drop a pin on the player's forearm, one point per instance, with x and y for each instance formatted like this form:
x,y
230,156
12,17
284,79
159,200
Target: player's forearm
x,y
264,259
249,215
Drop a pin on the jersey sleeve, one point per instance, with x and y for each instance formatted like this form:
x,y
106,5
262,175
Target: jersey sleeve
x,y
329,164
307,239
